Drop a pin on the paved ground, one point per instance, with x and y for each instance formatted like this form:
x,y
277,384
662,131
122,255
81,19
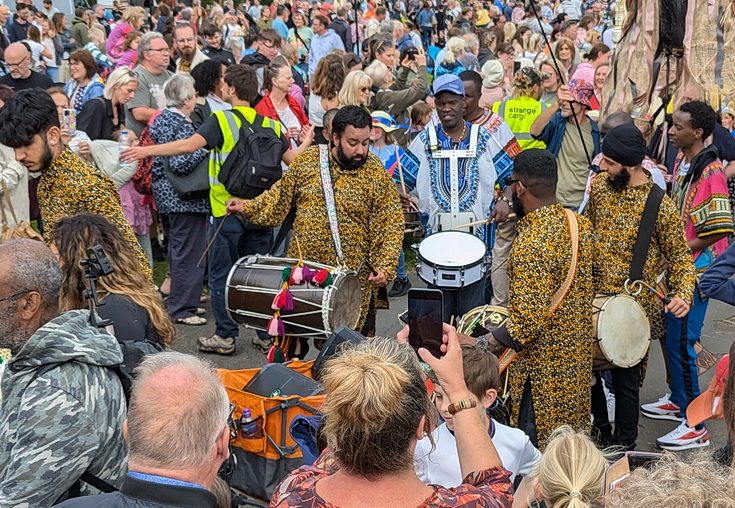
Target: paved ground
x,y
718,334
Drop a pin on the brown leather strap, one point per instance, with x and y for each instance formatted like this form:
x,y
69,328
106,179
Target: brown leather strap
x,y
557,297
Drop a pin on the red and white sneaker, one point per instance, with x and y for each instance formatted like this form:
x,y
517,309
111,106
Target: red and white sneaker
x,y
664,409
683,437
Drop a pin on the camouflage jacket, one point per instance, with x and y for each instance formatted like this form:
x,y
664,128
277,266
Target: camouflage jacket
x,y
67,420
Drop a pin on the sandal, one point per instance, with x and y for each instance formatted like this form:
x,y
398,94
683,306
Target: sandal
x,y
192,321
201,311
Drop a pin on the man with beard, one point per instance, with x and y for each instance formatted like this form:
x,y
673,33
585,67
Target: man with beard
x,y
550,375
449,198
615,209
368,211
63,407
29,124
701,196
236,238
185,42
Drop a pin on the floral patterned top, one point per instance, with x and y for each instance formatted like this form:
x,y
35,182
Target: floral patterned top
x,y
71,186
490,488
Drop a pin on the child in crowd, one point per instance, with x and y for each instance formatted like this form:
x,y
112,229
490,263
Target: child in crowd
x,y
97,41
439,465
327,121
130,50
420,117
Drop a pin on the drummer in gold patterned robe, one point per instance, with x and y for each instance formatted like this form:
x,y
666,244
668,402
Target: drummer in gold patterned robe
x,y
550,376
615,209
368,210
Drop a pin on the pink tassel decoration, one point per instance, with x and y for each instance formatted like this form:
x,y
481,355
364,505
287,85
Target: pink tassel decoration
x,y
297,275
288,303
275,326
280,300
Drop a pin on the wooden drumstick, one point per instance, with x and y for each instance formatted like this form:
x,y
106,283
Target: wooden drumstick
x,y
478,222
209,245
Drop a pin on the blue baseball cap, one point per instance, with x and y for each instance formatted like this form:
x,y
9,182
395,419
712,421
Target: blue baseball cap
x,y
448,83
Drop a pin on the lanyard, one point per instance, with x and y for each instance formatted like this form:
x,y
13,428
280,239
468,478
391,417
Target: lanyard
x,y
329,200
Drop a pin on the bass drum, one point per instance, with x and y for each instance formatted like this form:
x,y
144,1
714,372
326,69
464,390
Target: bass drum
x,y
254,282
621,330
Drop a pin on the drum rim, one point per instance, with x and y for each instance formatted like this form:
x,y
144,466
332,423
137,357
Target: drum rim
x,y
615,363
421,258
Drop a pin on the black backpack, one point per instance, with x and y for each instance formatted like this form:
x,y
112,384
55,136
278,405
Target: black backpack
x,y
254,165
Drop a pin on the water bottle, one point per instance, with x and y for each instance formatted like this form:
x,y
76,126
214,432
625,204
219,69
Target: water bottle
x,y
249,426
123,143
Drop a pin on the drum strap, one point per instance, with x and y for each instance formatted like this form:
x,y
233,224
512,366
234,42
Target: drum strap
x,y
557,297
329,200
645,233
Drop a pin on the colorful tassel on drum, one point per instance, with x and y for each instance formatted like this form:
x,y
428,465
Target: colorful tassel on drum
x,y
322,278
286,274
275,326
307,274
283,300
275,354
297,275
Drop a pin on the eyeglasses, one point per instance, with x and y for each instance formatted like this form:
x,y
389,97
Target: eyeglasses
x,y
510,181
15,295
269,46
365,89
133,74
160,50
12,66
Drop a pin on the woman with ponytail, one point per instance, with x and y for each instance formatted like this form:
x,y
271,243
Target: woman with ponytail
x,y
377,408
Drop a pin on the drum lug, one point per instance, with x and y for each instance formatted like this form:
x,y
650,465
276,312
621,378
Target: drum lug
x,y
436,278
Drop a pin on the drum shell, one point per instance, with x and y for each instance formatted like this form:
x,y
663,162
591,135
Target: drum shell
x,y
254,282
451,276
628,343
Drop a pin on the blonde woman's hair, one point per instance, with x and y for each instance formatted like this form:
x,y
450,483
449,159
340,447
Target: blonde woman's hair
x,y
117,78
591,35
72,236
534,43
376,399
133,13
377,71
349,94
571,471
509,30
455,47
692,481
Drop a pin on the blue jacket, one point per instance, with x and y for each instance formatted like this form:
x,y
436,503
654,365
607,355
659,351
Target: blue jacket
x,y
715,281
553,134
94,89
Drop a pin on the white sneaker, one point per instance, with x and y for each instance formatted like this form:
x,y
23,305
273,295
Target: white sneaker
x,y
610,398
663,409
684,437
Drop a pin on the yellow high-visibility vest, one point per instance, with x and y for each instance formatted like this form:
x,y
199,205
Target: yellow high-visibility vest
x,y
519,114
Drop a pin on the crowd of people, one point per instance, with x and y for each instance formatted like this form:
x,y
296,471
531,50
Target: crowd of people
x,y
121,128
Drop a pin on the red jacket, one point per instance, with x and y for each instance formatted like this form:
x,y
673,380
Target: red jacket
x,y
266,108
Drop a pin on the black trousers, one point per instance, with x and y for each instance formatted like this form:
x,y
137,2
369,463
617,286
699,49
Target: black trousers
x,y
626,384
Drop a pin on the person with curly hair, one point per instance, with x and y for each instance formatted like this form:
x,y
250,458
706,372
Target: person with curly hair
x,y
129,300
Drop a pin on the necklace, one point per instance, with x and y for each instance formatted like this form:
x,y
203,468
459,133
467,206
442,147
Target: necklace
x,y
461,137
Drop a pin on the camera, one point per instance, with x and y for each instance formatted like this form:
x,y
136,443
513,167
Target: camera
x,y
96,265
410,53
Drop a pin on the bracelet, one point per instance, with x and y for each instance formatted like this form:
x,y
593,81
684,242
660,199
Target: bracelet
x,y
503,198
456,407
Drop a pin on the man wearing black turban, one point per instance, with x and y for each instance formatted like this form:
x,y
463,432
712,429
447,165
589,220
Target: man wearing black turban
x,y
615,208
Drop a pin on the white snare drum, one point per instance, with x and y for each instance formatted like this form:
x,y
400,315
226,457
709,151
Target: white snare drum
x,y
451,259
622,332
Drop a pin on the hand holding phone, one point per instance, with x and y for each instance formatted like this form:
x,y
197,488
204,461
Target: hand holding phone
x,y
448,369
425,320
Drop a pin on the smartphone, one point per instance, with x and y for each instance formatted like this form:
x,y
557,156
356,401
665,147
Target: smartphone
x,y
641,459
516,67
69,120
425,307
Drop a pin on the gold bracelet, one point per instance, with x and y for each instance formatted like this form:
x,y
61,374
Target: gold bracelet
x,y
456,407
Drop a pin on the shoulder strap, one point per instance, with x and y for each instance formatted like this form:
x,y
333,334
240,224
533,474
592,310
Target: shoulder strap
x,y
165,160
645,232
557,297
328,189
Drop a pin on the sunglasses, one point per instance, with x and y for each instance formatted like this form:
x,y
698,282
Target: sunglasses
x,y
508,181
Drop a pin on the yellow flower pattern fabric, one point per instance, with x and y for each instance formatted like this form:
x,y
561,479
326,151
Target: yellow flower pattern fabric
x,y
556,354
368,211
71,186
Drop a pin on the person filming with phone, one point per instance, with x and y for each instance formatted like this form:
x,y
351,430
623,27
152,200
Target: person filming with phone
x,y
377,409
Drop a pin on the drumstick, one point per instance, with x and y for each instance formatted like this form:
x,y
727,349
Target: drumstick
x,y
370,267
209,245
478,222
400,173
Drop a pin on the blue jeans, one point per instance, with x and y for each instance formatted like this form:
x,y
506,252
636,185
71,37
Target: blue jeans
x,y
681,335
426,33
401,269
234,241
53,73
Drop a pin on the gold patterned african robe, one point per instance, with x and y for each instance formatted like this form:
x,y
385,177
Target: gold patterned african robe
x,y
555,356
368,211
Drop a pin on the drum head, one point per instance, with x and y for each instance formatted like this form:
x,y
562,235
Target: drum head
x,y
482,320
345,300
452,249
623,331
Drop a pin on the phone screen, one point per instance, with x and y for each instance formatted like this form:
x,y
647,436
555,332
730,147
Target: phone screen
x,y
516,67
425,320
641,459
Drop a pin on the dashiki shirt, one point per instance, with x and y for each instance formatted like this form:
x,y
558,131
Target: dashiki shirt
x,y
555,350
429,178
615,218
368,212
704,208
71,186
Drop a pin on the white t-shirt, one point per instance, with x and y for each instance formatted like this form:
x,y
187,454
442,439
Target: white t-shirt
x,y
441,466
288,121
36,49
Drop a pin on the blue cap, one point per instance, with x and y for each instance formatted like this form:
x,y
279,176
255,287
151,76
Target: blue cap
x,y
448,83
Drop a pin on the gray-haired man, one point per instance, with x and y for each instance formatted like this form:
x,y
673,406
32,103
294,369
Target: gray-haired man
x,y
63,409
177,434
152,69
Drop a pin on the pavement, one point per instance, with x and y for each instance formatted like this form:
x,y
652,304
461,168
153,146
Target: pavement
x,y
717,335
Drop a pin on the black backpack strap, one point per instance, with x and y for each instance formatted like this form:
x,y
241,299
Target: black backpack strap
x,y
645,232
97,483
